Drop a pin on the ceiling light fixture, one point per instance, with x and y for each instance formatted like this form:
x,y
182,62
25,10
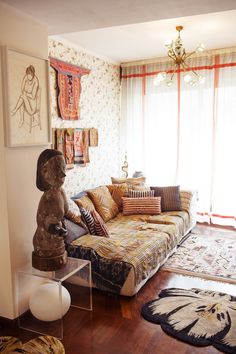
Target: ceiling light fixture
x,y
177,53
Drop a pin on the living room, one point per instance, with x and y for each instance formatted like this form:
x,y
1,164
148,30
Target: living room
x,y
100,108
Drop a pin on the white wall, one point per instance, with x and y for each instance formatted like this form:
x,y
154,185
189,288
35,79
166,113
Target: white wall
x,y
18,194
19,197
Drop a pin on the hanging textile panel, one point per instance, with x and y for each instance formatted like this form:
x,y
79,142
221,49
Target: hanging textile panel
x,y
69,83
93,137
74,144
79,147
69,147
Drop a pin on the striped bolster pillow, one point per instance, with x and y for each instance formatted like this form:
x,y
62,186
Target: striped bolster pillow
x,y
150,206
140,193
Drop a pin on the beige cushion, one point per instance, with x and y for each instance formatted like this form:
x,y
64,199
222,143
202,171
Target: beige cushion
x,y
73,213
140,188
103,202
139,181
150,206
118,191
86,203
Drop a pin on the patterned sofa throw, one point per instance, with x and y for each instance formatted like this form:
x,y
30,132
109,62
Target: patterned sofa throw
x,y
170,197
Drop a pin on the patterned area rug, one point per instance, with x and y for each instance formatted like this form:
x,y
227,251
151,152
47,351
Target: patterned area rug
x,y
40,345
207,253
196,316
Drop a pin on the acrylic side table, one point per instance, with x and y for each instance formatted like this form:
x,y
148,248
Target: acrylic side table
x,y
75,276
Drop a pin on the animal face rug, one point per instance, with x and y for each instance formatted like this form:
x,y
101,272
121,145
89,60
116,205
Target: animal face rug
x,y
199,317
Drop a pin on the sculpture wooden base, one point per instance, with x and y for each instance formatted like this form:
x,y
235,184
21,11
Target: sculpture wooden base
x,y
48,264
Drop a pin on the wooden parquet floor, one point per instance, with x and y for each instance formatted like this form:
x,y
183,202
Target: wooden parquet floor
x,y
115,325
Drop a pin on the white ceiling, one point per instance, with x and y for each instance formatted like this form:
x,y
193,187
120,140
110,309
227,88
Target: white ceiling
x,y
146,40
129,30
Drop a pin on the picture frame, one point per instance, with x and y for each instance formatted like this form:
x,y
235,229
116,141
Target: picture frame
x,y
25,99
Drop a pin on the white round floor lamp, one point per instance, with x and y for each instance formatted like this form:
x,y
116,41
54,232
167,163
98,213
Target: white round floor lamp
x,y
45,302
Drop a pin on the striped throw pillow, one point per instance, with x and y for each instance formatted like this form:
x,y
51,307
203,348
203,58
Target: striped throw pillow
x,y
88,220
100,226
170,197
140,193
150,206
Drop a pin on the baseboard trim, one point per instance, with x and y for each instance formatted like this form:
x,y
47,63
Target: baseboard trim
x,y
7,323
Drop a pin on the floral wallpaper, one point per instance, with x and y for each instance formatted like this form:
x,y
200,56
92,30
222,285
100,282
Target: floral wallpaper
x,y
100,108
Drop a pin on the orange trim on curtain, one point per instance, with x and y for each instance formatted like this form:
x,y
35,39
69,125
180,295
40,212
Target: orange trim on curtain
x,y
217,215
204,67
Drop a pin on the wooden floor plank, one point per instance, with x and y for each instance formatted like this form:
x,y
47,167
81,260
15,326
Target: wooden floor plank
x,y
115,325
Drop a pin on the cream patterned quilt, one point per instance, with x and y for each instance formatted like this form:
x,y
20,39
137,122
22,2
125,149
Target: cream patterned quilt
x,y
140,242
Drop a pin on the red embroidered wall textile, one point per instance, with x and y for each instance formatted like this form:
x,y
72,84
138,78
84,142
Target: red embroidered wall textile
x,y
68,77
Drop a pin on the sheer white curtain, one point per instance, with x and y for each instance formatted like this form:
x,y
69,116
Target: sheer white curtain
x,y
196,139
224,168
160,133
185,135
132,119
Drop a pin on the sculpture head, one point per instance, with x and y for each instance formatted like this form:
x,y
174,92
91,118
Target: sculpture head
x,y
51,168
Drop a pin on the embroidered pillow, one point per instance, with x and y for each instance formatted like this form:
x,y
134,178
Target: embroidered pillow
x,y
88,220
85,202
118,191
103,202
139,181
73,213
133,193
100,226
150,206
170,197
74,231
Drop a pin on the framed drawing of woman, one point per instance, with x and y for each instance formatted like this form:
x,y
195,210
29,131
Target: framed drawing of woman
x,y
26,99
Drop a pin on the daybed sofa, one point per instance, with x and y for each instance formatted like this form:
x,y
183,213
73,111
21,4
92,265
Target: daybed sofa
x,y
137,245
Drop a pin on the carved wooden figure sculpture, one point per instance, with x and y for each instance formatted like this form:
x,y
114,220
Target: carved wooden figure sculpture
x,y
49,248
